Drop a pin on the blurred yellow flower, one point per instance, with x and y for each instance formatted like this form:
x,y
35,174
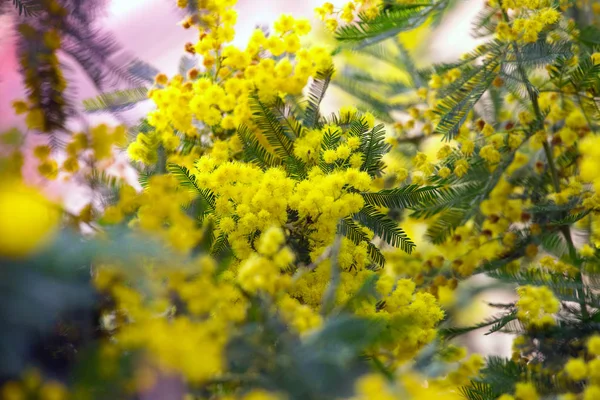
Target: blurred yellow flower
x,y
27,219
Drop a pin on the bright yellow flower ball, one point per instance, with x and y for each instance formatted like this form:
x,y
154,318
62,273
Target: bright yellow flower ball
x,y
27,219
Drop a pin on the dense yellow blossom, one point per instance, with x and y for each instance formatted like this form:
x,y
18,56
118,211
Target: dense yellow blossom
x,y
536,305
219,97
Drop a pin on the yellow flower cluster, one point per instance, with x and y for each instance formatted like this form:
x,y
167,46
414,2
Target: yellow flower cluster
x,y
159,211
212,102
527,29
291,220
97,145
536,306
579,369
300,316
437,81
576,370
213,307
249,200
369,9
376,387
411,316
309,289
523,391
263,271
33,386
590,161
42,55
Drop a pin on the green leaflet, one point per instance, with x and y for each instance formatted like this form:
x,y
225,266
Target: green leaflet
x,y
352,231
116,101
384,227
188,181
374,147
388,23
254,152
316,93
404,197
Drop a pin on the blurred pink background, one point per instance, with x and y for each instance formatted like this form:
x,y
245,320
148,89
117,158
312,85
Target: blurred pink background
x,y
147,29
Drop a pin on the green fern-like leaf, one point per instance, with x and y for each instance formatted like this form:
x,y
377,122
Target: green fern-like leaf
x,y
554,242
254,152
478,391
467,59
445,224
358,127
455,108
286,114
144,179
502,374
394,53
316,93
385,228
116,101
220,245
404,197
540,53
586,75
483,24
496,324
103,179
564,288
454,195
330,141
353,231
388,23
296,168
188,181
373,93
186,63
374,147
142,71
272,129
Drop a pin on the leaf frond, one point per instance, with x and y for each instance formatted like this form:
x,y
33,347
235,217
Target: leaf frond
x,y
255,152
384,227
388,23
374,147
404,197
316,93
117,101
272,129
188,181
348,228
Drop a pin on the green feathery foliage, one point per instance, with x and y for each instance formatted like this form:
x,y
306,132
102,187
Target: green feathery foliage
x,y
316,93
402,197
188,181
348,228
254,152
117,101
374,147
389,22
384,227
